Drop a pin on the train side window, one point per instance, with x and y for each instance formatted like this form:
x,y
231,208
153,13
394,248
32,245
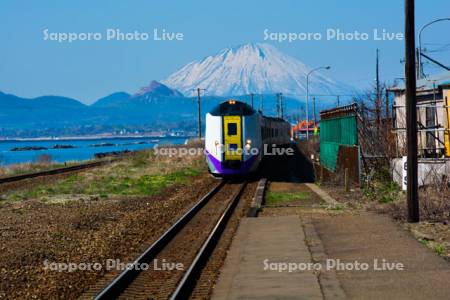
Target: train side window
x,y
232,128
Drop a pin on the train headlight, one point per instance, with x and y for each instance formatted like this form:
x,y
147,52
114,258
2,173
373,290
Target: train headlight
x,y
248,144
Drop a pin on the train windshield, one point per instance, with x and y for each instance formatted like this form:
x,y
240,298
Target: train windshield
x,y
233,108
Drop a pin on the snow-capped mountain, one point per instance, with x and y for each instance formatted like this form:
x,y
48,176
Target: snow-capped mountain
x,y
252,68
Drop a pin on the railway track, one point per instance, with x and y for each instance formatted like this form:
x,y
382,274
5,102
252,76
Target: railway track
x,y
189,242
57,171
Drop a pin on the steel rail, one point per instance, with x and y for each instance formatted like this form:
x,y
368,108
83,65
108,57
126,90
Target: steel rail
x,y
53,171
123,280
187,283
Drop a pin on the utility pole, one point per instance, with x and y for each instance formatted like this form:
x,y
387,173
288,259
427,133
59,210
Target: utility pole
x,y
418,64
378,73
387,103
411,113
338,100
276,104
261,104
199,113
281,105
314,108
251,95
378,100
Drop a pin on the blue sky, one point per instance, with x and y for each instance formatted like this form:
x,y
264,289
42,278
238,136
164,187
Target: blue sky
x,y
88,70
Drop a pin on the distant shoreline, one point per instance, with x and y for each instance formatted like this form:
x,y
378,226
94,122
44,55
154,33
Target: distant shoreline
x,y
89,137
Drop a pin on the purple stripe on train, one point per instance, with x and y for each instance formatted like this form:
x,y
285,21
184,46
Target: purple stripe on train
x,y
245,166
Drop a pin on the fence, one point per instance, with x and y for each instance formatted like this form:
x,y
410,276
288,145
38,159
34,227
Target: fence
x,y
338,129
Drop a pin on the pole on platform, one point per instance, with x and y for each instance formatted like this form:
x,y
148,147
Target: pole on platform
x,y
411,114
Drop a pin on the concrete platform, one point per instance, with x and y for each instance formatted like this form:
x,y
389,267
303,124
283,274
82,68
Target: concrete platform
x,y
271,240
364,237
348,236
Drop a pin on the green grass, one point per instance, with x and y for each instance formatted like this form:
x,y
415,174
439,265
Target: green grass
x,y
424,242
440,249
141,174
141,158
27,168
274,198
106,185
383,192
337,207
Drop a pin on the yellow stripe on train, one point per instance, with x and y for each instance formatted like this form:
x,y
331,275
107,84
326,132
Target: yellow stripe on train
x,y
232,137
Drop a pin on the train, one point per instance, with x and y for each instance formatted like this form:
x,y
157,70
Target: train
x,y
237,136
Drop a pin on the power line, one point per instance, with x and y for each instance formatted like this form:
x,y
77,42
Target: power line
x,y
435,61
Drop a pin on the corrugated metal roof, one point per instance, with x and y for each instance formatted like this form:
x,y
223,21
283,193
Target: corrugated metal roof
x,y
427,83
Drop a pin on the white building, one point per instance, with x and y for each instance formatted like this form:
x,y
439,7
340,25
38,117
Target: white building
x,y
433,115
433,118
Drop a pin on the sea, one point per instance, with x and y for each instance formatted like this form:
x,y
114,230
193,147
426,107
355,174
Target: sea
x,y
65,150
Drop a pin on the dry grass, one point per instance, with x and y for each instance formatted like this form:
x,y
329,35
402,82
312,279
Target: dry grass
x,y
385,196
24,168
140,174
434,205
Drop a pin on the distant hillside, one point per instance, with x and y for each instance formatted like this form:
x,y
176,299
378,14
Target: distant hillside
x,y
42,111
115,99
159,89
231,73
53,115
157,109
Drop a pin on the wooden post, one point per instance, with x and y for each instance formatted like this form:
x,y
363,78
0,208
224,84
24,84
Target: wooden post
x,y
346,181
321,173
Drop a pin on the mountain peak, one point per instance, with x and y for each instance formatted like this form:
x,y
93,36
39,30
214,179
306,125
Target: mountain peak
x,y
254,46
257,50
157,88
251,68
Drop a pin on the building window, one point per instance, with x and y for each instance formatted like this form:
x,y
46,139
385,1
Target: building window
x,y
430,124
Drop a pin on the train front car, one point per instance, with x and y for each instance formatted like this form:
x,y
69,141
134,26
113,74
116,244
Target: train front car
x,y
233,139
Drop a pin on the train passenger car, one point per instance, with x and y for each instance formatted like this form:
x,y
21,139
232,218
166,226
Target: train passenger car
x,y
235,137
